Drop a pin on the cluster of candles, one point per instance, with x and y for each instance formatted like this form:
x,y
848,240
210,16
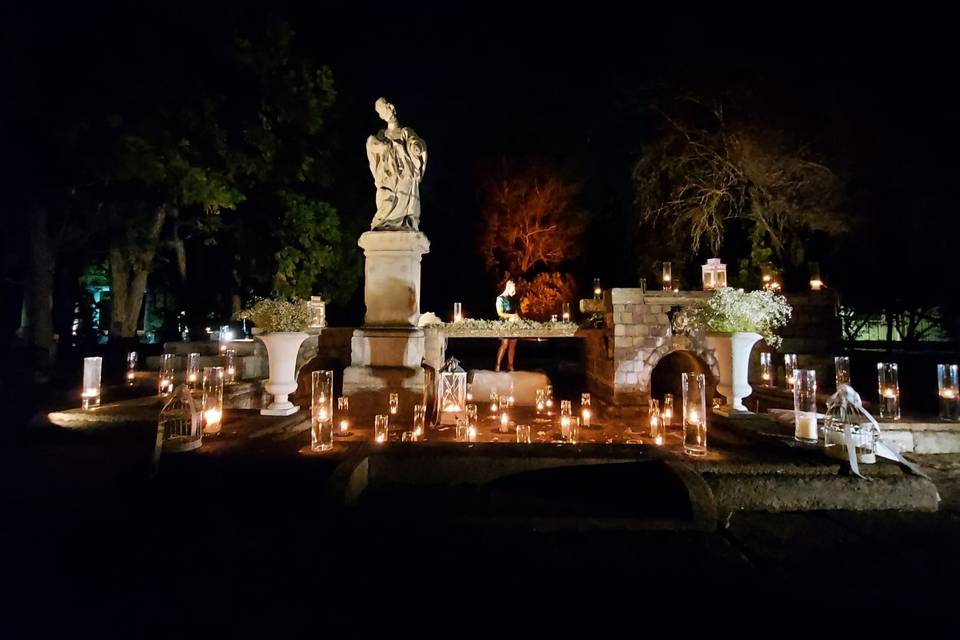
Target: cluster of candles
x,y
660,418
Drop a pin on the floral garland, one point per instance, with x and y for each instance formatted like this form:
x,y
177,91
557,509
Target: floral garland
x,y
520,328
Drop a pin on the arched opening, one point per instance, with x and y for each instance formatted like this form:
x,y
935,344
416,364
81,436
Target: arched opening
x,y
665,377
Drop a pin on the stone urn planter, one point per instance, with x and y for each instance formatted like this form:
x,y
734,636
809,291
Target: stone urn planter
x,y
733,360
282,350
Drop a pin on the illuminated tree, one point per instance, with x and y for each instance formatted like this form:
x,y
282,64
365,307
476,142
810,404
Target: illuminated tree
x,y
532,230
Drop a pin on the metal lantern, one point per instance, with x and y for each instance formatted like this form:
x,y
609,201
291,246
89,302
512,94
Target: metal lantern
x,y
714,274
318,312
451,392
181,422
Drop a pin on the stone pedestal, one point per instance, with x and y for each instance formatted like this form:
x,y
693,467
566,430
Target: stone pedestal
x,y
387,352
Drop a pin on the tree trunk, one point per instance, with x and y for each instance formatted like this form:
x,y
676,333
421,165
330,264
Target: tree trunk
x,y
38,289
131,259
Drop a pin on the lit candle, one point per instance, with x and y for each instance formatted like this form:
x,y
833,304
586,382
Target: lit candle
x,y
344,426
806,427
949,394
565,427
504,423
585,413
212,416
471,433
394,403
816,285
889,392
658,440
381,438
130,376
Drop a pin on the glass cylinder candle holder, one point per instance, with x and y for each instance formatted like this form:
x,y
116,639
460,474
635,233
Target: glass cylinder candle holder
x,y
230,366
321,395
816,281
131,376
888,390
597,291
419,420
541,403
573,430
471,413
586,411
523,434
504,422
457,312
472,433
460,432
948,386
318,312
694,413
789,366
666,276
224,337
343,415
90,393
212,399
394,403
655,421
766,368
841,366
381,428
494,402
193,370
565,312
165,380
666,415
805,405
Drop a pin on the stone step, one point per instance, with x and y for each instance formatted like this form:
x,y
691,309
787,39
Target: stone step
x,y
212,347
249,367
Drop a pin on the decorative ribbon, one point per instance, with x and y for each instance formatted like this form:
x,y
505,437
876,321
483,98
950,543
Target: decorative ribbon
x,y
846,399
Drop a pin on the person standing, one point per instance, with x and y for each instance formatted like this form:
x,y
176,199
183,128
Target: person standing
x,y
506,310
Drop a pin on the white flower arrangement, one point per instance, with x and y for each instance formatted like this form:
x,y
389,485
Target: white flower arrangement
x,y
731,310
520,328
272,315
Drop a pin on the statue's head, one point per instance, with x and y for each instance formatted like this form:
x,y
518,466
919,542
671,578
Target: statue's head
x,y
385,109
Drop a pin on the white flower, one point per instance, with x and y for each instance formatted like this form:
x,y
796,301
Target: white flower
x,y
271,315
731,310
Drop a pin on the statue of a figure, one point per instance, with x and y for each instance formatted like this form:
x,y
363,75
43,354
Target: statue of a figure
x,y
398,158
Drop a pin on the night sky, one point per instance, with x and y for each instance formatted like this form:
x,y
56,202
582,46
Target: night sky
x,y
484,81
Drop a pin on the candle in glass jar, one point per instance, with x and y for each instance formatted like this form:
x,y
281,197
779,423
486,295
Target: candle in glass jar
x,y
806,427
471,433
394,403
504,423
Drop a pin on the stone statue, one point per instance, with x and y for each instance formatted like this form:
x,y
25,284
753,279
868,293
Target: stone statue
x,y
398,159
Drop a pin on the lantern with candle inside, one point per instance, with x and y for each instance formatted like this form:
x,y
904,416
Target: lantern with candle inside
x,y
457,312
212,399
419,421
343,416
766,368
566,418
666,415
193,370
948,385
318,312
321,410
805,405
694,413
394,403
841,365
714,274
565,312
789,366
90,393
597,291
548,399
451,392
888,383
230,366
131,368
541,403
666,276
586,411
494,402
180,426
165,380
381,428
523,434
816,282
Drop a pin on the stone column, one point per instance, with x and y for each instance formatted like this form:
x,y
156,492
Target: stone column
x,y
387,352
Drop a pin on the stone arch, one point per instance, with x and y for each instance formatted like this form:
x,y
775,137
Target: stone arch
x,y
677,355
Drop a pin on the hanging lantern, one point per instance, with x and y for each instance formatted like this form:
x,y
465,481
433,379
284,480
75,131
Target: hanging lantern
x,y
451,392
714,274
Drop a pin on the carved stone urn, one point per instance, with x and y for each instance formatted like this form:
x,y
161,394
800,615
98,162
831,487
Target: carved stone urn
x,y
733,360
282,350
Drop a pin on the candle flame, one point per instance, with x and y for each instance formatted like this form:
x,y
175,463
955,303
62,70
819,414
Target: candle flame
x,y
344,426
212,415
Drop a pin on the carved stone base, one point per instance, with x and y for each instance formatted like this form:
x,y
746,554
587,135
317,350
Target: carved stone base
x,y
387,347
